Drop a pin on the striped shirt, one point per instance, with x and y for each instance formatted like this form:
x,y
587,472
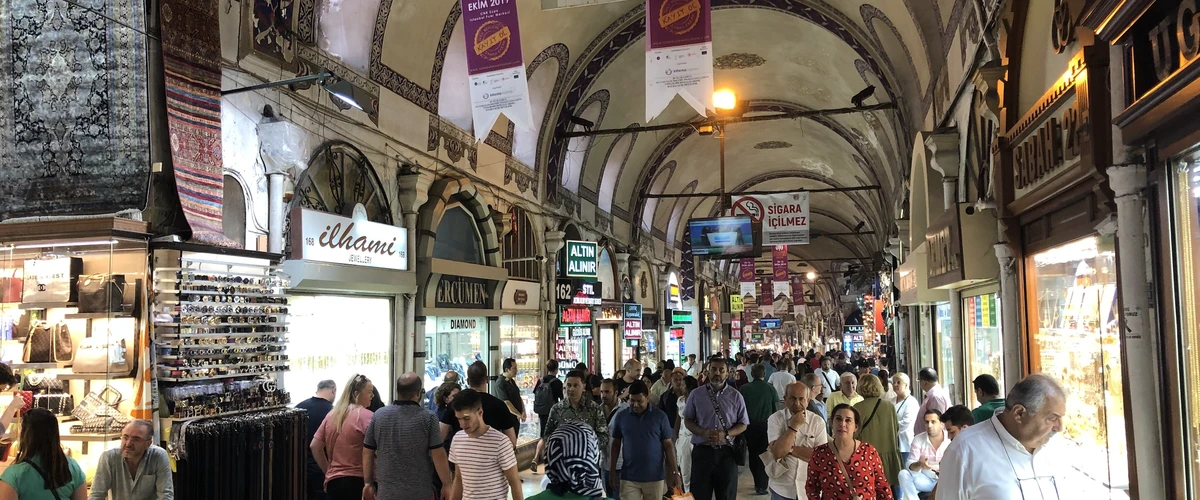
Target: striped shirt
x,y
482,462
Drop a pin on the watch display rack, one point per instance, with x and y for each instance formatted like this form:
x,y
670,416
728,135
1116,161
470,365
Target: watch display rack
x,y
220,333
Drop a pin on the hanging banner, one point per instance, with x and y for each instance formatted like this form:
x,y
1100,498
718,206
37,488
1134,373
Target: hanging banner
x,y
766,297
679,57
747,281
799,308
781,290
687,268
495,65
784,217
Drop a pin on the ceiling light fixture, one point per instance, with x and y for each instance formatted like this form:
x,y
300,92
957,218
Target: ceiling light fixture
x,y
341,91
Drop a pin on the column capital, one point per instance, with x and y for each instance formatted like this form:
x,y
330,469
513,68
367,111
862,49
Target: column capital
x,y
943,152
554,242
414,191
1003,252
1108,226
1126,180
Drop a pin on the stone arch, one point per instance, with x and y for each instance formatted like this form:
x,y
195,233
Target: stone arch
x,y
677,213
593,110
542,87
613,166
658,183
454,94
447,193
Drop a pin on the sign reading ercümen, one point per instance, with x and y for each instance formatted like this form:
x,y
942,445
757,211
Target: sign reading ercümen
x,y
582,259
784,217
324,237
679,58
495,65
463,292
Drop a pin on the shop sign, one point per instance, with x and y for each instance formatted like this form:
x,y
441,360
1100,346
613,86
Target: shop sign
x,y
1059,139
611,313
945,250
784,216
735,304
633,311
676,333
582,259
521,295
770,323
1166,43
452,325
633,329
463,292
580,332
324,237
735,328
681,317
854,330
756,337
577,292
574,316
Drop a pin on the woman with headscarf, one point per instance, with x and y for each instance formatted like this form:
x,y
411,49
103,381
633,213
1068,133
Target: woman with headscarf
x,y
572,464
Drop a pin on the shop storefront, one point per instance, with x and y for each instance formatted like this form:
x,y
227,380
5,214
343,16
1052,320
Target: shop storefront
x,y
923,304
611,348
983,336
521,333
577,302
1055,194
1158,108
463,329
338,286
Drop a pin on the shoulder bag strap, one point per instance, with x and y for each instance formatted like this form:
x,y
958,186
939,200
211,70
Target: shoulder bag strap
x,y
873,410
842,466
53,491
712,396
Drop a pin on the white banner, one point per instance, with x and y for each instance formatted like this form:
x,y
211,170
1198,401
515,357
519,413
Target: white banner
x,y
502,91
783,292
686,71
784,217
749,292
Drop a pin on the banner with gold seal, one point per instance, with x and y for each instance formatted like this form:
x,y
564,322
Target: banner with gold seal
x,y
495,65
679,58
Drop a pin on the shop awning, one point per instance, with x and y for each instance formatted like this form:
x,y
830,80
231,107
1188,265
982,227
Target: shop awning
x,y
341,278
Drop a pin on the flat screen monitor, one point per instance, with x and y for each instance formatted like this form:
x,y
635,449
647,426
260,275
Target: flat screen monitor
x,y
724,237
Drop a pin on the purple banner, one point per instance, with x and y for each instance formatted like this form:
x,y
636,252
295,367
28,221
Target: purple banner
x,y
746,271
687,268
798,290
767,296
493,35
672,23
779,263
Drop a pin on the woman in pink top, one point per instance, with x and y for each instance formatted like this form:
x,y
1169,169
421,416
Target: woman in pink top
x,y
338,445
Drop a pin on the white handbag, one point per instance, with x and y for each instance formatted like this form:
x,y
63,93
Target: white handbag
x,y
51,280
112,356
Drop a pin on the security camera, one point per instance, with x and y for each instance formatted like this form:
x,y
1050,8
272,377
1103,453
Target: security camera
x,y
539,258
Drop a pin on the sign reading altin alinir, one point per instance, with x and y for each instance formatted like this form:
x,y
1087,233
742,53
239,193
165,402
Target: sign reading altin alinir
x,y
582,259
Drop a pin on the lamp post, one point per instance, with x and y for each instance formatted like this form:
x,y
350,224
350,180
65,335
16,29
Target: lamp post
x,y
725,103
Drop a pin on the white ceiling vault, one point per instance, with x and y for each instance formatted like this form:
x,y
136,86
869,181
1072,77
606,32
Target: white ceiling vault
x,y
780,55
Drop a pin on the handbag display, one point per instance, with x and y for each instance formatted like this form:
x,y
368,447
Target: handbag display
x,y
39,346
11,288
111,356
58,404
40,383
51,280
98,404
101,293
64,346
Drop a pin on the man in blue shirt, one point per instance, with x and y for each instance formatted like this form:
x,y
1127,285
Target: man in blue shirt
x,y
642,437
317,407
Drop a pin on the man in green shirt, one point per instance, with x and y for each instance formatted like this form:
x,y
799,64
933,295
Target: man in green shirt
x,y
761,399
987,392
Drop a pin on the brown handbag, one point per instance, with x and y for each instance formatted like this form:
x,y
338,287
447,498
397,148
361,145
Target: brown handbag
x,y
11,288
845,472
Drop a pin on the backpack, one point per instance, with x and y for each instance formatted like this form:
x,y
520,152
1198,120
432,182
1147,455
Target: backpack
x,y
543,396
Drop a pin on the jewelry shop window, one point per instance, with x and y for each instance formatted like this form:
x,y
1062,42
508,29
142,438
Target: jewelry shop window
x,y
1185,233
334,337
981,318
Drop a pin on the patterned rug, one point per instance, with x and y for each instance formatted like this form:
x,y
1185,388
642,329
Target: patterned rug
x,y
191,47
73,118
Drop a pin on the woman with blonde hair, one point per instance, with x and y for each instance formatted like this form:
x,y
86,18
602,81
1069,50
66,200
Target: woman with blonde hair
x,y
880,426
338,445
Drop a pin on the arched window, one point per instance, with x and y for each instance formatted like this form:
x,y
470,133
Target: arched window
x,y
544,73
677,213
577,149
457,237
656,187
233,211
604,274
520,248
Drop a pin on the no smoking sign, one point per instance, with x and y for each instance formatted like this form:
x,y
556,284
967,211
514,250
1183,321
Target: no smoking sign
x,y
748,205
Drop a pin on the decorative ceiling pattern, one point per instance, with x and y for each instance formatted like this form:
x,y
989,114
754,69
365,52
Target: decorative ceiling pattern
x,y
779,55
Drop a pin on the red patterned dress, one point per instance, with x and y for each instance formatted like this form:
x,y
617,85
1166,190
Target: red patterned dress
x,y
826,481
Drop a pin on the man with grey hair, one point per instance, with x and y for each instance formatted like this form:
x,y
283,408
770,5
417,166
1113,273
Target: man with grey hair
x,y
816,387
402,449
1012,455
138,470
317,407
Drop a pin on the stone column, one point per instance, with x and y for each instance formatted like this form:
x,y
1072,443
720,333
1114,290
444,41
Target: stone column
x,y
1141,347
1010,318
414,192
553,242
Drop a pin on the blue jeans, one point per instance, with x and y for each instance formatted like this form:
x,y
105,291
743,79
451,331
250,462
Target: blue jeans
x,y
913,482
613,493
776,496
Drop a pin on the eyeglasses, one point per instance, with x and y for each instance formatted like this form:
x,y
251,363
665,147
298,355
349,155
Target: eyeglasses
x,y
1040,484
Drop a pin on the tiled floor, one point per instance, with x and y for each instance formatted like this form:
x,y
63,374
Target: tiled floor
x,y
532,484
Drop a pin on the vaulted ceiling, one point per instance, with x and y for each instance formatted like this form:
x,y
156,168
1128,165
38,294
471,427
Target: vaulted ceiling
x,y
779,55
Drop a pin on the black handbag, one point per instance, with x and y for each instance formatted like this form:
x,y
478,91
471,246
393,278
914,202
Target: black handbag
x,y
58,404
40,383
101,293
39,347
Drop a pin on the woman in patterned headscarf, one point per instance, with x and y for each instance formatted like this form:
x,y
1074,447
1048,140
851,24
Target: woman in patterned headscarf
x,y
572,458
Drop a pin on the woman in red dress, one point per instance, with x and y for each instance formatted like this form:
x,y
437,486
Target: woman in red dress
x,y
845,456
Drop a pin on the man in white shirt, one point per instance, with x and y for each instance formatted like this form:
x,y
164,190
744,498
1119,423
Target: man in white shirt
x,y
1012,455
693,368
794,432
782,378
829,378
936,396
920,473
